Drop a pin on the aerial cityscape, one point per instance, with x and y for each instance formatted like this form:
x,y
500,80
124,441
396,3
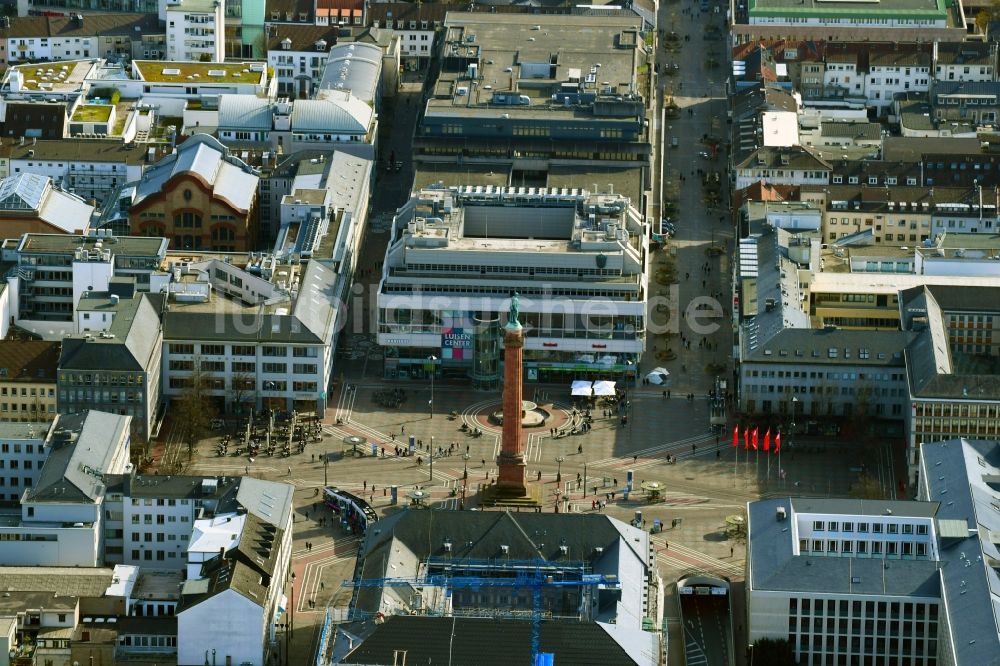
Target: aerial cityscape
x,y
500,333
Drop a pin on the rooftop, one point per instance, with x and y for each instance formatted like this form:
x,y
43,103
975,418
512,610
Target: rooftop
x,y
461,640
28,361
773,564
846,9
134,25
93,113
163,71
73,581
83,448
597,54
51,77
72,150
968,471
132,246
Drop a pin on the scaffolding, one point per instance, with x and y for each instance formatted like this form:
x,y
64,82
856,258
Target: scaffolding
x,y
444,575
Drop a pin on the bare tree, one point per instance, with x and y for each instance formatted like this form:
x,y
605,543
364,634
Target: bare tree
x,y
194,409
243,388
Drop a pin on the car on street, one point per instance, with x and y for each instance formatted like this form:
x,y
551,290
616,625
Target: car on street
x,y
674,142
704,155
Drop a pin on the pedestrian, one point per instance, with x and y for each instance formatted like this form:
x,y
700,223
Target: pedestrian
x,y
635,458
718,454
383,491
321,585
664,394
579,449
668,393
666,545
615,484
402,429
730,551
289,471
314,457
484,462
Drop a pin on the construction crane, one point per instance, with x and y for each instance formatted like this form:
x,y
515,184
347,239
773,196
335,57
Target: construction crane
x,y
531,575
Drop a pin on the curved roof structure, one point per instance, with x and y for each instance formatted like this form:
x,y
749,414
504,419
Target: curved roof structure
x,y
336,112
354,67
205,157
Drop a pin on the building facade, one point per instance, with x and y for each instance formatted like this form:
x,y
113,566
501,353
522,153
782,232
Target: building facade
x,y
28,380
200,198
196,30
845,581
113,363
457,255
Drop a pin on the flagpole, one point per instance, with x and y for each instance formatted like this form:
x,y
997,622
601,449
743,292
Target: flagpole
x,y
768,459
736,460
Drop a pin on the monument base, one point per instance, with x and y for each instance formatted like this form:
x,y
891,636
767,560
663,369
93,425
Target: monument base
x,y
528,497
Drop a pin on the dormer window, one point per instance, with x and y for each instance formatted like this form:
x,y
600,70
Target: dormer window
x,y
321,45
286,44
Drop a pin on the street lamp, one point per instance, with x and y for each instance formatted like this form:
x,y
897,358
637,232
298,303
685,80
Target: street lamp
x,y
432,359
326,466
430,457
465,466
559,460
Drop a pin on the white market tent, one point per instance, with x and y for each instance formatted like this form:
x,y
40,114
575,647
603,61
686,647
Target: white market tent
x,y
604,388
581,388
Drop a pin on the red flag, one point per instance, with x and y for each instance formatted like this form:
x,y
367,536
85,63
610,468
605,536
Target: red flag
x,y
753,440
767,440
746,438
736,436
777,442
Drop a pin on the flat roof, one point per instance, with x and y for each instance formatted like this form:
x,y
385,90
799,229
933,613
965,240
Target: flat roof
x,y
67,244
86,150
890,283
56,77
163,71
594,47
451,174
898,9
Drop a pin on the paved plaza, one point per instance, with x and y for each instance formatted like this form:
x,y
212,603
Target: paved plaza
x,y
707,481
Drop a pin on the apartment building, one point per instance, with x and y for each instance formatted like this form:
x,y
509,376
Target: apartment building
x,y
782,165
965,61
196,30
89,168
416,25
235,603
56,38
60,518
457,255
966,101
298,54
22,453
28,380
54,271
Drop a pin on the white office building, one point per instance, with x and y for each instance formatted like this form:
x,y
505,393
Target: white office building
x,y
846,581
576,259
